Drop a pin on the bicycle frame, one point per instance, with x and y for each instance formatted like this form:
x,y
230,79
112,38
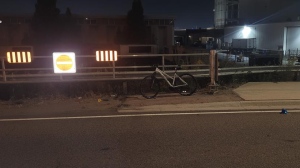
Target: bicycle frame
x,y
165,76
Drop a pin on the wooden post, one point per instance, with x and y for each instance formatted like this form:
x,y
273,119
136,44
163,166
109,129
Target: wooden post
x,y
212,67
216,68
213,60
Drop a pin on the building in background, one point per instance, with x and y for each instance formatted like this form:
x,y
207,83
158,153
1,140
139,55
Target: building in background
x,y
241,12
198,38
96,31
13,29
226,12
268,11
282,36
259,24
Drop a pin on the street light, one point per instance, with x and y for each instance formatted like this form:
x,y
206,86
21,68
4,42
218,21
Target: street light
x,y
246,31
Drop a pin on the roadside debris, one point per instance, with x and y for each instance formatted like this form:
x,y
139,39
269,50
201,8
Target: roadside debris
x,y
283,111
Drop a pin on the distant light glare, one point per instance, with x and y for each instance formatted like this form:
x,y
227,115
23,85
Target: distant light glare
x,y
246,31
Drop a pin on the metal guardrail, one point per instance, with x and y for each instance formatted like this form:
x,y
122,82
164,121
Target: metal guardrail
x,y
257,69
111,71
293,53
89,70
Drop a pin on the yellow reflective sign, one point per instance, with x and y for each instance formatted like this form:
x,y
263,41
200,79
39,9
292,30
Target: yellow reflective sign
x,y
64,62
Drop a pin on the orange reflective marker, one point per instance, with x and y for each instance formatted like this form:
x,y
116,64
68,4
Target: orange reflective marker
x,y
106,55
18,57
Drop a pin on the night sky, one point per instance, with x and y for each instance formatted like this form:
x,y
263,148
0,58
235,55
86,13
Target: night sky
x,y
188,13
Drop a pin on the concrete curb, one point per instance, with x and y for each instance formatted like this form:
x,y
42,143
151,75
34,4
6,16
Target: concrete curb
x,y
216,106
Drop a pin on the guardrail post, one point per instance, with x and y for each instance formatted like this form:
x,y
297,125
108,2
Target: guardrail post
x,y
213,60
114,70
125,90
3,70
212,67
163,63
216,67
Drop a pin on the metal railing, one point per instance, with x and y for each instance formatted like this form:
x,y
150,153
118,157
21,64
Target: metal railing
x,y
293,53
128,67
88,69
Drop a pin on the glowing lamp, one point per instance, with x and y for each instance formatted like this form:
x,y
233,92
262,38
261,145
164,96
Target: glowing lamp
x,y
246,31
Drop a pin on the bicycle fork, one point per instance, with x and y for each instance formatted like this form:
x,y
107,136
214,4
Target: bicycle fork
x,y
153,78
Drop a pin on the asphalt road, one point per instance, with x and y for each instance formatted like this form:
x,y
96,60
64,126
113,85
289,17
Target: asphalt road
x,y
214,140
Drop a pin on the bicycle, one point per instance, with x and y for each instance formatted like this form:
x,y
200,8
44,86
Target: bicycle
x,y
185,83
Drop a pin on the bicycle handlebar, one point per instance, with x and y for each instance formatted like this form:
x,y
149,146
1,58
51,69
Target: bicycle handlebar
x,y
178,66
155,65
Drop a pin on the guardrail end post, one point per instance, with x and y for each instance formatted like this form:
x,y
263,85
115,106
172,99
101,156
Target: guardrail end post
x,y
213,87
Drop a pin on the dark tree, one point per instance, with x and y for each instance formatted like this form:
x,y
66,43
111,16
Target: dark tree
x,y
136,28
26,39
120,37
68,13
52,30
70,29
46,11
46,23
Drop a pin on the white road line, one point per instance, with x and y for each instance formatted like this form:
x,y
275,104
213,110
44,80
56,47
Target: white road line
x,y
140,115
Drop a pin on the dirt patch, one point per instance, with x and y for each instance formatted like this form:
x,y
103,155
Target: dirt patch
x,y
62,104
225,95
112,102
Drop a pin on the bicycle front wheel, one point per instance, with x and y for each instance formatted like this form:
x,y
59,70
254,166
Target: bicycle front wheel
x,y
149,87
191,86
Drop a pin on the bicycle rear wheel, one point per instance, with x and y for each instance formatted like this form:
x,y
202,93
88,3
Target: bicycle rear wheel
x,y
149,87
191,86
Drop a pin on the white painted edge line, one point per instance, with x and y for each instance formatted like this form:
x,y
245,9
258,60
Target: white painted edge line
x,y
142,115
